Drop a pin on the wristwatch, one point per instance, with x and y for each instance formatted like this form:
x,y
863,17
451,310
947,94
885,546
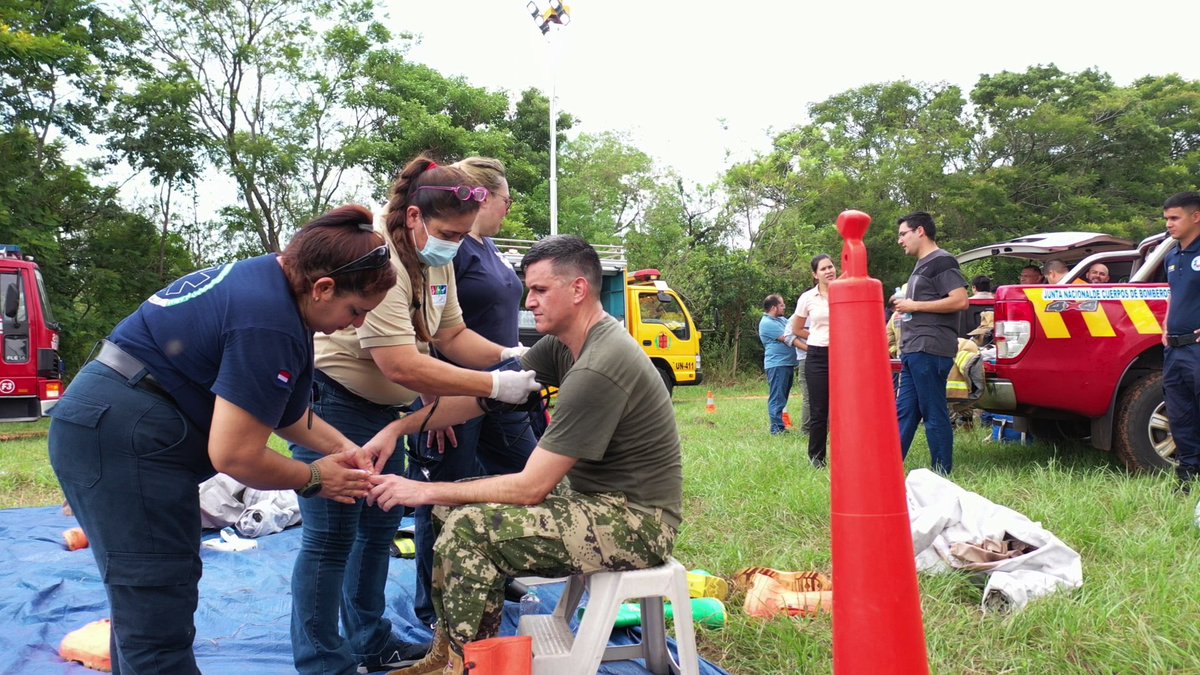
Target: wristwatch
x,y
313,486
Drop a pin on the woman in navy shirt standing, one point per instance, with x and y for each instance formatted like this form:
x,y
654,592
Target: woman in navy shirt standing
x,y
194,382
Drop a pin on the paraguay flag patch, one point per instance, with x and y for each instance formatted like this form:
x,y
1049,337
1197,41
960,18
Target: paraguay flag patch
x,y
283,378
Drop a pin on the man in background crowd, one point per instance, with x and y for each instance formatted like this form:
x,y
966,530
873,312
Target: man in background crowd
x,y
1030,275
1098,274
935,293
779,359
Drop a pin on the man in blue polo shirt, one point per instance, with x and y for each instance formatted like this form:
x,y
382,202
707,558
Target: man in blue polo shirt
x,y
779,359
1181,331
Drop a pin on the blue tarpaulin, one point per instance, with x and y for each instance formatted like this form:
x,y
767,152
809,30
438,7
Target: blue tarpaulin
x,y
245,601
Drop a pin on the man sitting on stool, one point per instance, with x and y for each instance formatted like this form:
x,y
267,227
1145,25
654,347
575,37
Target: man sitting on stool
x,y
613,435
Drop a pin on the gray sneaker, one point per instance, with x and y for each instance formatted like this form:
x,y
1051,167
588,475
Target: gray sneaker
x,y
399,654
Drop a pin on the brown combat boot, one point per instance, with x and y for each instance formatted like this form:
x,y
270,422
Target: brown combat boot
x,y
436,661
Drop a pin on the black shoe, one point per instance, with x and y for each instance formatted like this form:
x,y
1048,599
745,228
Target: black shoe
x,y
1183,486
515,590
817,462
399,654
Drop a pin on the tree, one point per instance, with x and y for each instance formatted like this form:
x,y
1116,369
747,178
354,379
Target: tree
x,y
269,98
155,129
604,187
60,66
62,62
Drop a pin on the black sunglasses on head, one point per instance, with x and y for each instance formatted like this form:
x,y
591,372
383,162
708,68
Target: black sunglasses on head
x,y
376,258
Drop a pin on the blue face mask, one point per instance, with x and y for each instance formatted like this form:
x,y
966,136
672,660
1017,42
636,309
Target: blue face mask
x,y
437,252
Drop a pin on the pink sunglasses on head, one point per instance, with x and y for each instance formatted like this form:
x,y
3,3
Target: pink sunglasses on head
x,y
463,192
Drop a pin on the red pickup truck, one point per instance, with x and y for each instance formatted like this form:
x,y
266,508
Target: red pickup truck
x,y
1078,359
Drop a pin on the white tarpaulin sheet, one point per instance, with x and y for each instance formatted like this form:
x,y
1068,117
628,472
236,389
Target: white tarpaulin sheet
x,y
954,529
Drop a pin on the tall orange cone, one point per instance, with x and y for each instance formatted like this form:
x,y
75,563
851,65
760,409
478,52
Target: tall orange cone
x,y
711,405
877,624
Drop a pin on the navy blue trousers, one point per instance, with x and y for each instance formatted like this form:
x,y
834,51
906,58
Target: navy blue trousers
x,y
1181,391
129,463
922,396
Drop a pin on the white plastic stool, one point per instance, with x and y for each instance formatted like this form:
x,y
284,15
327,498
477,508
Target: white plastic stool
x,y
557,652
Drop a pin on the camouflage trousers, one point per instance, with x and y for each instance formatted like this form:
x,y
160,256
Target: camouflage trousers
x,y
569,533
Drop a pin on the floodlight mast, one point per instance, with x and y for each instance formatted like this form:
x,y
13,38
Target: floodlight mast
x,y
557,14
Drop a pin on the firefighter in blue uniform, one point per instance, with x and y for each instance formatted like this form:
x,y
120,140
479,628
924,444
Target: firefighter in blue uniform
x,y
1181,332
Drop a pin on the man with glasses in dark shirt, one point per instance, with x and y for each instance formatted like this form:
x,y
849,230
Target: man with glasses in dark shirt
x,y
936,291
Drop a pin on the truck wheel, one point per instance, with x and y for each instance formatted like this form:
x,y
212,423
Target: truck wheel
x,y
1141,433
668,380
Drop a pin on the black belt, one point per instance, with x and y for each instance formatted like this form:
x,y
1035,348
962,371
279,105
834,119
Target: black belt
x,y
1182,340
130,368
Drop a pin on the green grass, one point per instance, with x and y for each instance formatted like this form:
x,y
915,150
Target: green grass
x,y
751,499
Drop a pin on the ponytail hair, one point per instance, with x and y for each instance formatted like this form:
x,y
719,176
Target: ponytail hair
x,y
330,241
432,204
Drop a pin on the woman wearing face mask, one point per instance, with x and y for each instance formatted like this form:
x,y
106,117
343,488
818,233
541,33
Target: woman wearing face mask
x,y
489,293
366,377
812,309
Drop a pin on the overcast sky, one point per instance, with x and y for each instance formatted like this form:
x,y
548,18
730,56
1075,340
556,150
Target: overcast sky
x,y
691,81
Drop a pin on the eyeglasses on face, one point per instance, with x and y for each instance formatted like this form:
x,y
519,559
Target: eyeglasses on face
x,y
508,201
376,258
904,232
463,192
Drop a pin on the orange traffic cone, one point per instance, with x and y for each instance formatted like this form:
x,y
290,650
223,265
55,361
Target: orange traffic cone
x,y
787,420
711,405
872,544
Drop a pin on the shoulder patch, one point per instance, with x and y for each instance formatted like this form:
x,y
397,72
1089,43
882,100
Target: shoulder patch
x,y
191,286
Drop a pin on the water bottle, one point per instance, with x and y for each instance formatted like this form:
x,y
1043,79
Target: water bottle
x,y
530,603
904,316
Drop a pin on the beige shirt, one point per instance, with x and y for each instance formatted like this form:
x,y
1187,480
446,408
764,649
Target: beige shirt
x,y
344,356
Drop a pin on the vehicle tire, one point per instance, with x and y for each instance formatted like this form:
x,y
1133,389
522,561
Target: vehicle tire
x,y
668,379
1141,433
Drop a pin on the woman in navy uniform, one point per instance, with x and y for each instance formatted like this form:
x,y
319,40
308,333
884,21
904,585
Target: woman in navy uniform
x,y
194,382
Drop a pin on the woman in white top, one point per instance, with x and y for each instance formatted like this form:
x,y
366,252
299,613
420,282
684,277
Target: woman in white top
x,y
811,323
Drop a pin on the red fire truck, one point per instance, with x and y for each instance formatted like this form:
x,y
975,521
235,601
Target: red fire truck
x,y
31,372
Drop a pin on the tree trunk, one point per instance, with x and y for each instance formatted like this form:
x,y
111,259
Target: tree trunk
x,y
737,340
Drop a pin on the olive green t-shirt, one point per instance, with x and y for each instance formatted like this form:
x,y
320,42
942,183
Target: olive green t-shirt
x,y
613,414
